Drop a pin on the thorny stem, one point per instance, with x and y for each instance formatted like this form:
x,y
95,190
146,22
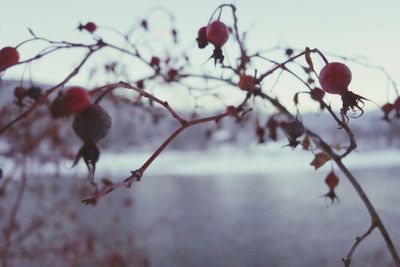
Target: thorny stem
x,y
376,220
359,239
137,174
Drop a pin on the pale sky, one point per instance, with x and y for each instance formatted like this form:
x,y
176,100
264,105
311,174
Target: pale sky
x,y
348,28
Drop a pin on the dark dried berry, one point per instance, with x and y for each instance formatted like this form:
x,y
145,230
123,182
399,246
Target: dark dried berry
x,y
34,92
92,124
293,130
20,92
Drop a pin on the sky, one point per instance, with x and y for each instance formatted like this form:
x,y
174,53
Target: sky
x,y
347,28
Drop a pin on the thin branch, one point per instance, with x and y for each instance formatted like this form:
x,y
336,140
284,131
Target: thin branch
x,y
359,239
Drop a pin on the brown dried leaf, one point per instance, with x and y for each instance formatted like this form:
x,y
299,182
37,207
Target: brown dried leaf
x,y
320,159
308,58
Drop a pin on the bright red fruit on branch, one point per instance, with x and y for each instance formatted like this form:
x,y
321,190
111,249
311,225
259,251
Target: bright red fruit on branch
x,y
217,33
90,27
332,180
76,99
171,75
155,62
8,56
201,39
335,78
246,83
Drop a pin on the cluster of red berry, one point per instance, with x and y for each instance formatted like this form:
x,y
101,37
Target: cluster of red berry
x,y
216,33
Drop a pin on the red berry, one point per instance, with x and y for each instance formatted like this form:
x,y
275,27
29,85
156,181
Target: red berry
x,y
76,99
332,180
387,108
202,37
8,56
155,62
246,83
171,75
90,27
217,33
335,78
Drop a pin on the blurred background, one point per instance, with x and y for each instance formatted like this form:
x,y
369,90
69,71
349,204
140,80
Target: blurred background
x,y
217,196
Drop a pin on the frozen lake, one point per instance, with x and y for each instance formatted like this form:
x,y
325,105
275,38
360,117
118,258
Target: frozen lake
x,y
216,209
261,220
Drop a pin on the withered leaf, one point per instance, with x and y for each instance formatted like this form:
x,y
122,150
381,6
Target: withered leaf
x,y
320,159
307,55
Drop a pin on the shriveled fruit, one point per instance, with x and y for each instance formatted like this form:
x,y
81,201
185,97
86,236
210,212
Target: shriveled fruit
x,y
335,78
92,124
